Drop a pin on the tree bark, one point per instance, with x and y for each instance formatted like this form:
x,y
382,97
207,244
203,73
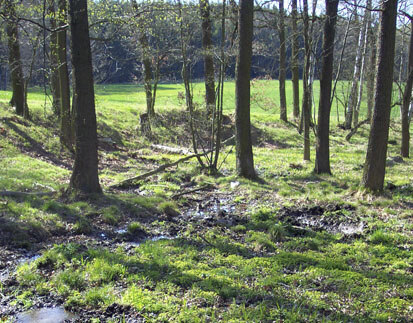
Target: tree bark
x,y
65,117
407,95
306,106
243,141
375,164
282,67
322,161
294,61
207,48
18,99
84,178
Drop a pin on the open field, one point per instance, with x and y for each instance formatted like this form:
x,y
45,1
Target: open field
x,y
296,247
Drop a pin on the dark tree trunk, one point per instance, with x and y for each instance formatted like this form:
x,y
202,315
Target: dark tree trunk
x,y
407,95
244,156
294,61
64,86
282,68
54,62
85,170
207,48
18,99
322,160
375,165
147,74
306,106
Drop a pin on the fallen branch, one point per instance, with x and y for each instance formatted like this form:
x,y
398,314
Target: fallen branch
x,y
26,194
162,168
191,191
155,171
354,130
170,150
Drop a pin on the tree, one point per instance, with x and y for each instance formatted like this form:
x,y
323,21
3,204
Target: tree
x,y
375,164
407,95
244,156
322,161
294,60
64,87
207,48
54,60
18,99
85,170
282,68
306,106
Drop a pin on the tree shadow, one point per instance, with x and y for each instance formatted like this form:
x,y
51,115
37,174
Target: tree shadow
x,y
35,146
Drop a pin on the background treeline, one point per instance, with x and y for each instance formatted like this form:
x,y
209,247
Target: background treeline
x,y
116,29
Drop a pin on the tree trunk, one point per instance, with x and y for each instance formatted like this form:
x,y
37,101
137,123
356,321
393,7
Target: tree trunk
x,y
294,61
306,106
371,72
54,62
207,48
375,165
18,99
85,170
65,117
322,161
406,101
147,73
352,100
244,156
282,68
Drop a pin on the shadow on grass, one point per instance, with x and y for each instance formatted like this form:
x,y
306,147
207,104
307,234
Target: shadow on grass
x,y
36,147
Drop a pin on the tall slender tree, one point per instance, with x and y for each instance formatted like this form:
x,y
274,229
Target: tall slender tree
x,y
375,164
207,47
282,68
18,99
66,137
54,63
84,178
407,96
294,60
322,161
306,106
244,156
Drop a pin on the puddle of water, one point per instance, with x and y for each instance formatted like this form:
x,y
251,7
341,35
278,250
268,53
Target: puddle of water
x,y
28,260
351,229
46,315
156,238
4,275
121,231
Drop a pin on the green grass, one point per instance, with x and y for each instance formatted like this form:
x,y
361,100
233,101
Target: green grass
x,y
261,269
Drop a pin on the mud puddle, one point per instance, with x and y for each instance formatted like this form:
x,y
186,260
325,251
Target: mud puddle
x,y
46,315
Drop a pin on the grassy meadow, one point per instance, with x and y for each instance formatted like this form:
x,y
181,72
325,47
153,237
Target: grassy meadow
x,y
296,247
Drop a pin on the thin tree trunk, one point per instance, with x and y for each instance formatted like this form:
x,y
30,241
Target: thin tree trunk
x,y
18,99
366,25
207,47
322,161
54,60
406,101
66,137
294,60
282,67
371,72
147,73
375,165
306,105
244,156
84,178
352,101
